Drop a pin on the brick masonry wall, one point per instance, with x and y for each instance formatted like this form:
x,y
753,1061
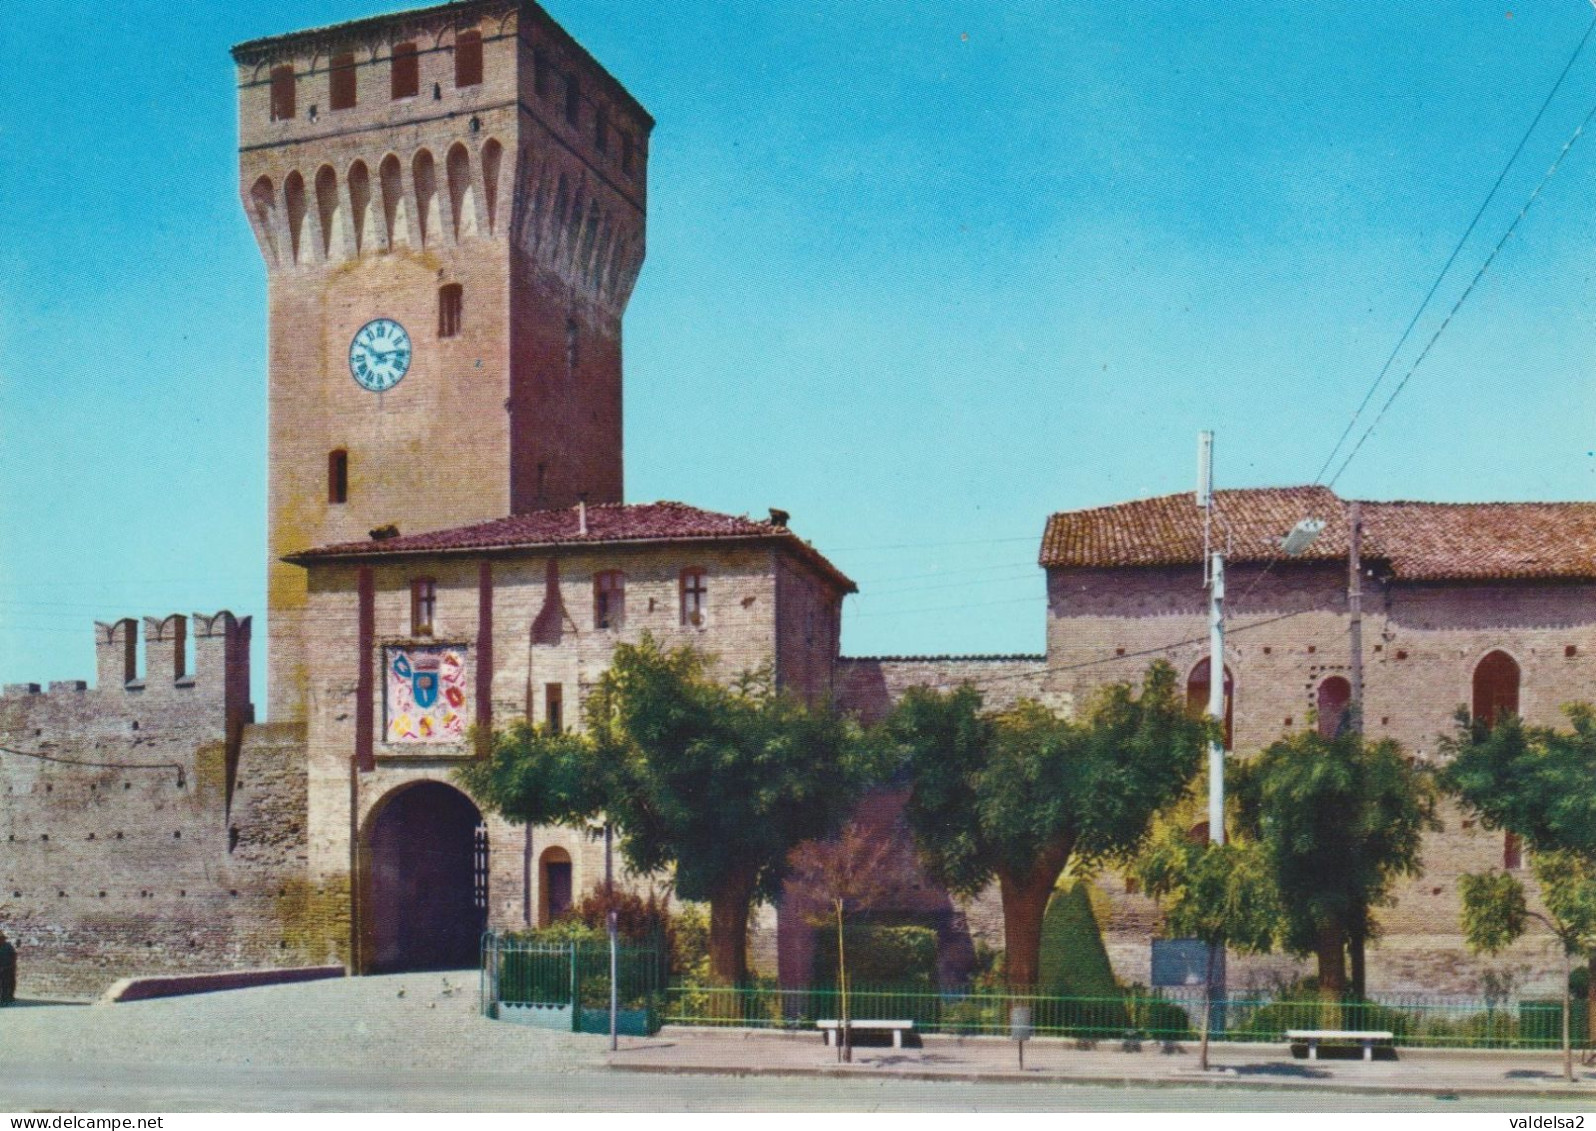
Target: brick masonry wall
x,y
185,861
537,220
543,633
1421,646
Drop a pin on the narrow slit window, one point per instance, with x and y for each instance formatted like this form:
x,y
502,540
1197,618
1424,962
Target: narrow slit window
x,y
405,81
626,153
468,59
554,707
601,133
451,309
695,597
609,599
282,93
341,82
338,476
1512,852
423,605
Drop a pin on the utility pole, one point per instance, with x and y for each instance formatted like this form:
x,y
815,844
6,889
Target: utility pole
x,y
609,897
1355,610
1214,579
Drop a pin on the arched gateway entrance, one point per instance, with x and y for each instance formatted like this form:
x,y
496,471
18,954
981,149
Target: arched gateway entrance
x,y
426,881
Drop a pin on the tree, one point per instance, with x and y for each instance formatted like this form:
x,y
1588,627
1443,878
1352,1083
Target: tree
x,y
1538,783
846,875
1220,894
1018,796
1495,915
1339,820
717,784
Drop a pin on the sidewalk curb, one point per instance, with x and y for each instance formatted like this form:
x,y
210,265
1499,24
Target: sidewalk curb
x,y
1219,1081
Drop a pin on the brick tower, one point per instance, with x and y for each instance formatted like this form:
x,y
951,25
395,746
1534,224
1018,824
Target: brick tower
x,y
451,204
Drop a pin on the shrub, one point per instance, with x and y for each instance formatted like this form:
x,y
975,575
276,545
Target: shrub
x,y
1074,961
903,958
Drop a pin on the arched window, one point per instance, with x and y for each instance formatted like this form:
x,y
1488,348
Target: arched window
x,y
1335,697
554,885
468,58
1197,697
1495,688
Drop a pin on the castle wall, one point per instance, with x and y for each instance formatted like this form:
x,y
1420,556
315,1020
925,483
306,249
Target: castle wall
x,y
177,848
1421,646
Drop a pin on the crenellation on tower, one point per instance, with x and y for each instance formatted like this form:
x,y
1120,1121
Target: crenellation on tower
x,y
466,187
116,653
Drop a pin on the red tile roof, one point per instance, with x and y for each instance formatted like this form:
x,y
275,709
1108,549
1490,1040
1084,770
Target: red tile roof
x,y
1419,541
607,524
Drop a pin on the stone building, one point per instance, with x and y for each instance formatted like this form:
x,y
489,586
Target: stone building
x,y
1485,606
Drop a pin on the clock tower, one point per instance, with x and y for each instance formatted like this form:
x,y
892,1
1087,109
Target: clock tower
x,y
451,205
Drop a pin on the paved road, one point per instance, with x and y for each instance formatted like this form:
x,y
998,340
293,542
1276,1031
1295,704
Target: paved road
x,y
416,1043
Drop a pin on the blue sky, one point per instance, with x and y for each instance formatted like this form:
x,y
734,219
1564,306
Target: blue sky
x,y
918,273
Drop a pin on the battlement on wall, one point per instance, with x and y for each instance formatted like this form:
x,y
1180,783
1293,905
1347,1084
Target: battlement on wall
x,y
196,657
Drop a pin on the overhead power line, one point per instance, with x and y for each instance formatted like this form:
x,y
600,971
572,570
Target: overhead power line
x,y
1450,260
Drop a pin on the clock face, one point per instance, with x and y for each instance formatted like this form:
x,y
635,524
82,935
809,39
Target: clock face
x,y
379,355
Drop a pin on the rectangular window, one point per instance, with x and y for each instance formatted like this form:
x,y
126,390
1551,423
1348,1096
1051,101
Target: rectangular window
x,y
695,597
1512,852
554,707
423,604
468,59
341,95
338,476
405,77
601,133
573,100
609,599
282,93
451,306
626,153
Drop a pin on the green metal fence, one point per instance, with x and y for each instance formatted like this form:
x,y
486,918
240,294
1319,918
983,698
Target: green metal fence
x,y
1417,1020
567,985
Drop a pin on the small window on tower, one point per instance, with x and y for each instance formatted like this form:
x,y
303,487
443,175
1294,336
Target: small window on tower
x,y
423,604
451,307
468,59
626,153
573,100
695,597
341,79
554,707
1512,852
282,93
609,599
601,133
405,79
338,476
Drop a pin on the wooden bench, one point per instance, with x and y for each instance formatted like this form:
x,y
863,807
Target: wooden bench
x,y
1366,1037
830,1029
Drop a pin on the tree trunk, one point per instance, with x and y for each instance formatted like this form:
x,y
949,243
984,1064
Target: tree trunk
x,y
1208,1005
1331,949
1024,906
1355,956
1590,1003
728,929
